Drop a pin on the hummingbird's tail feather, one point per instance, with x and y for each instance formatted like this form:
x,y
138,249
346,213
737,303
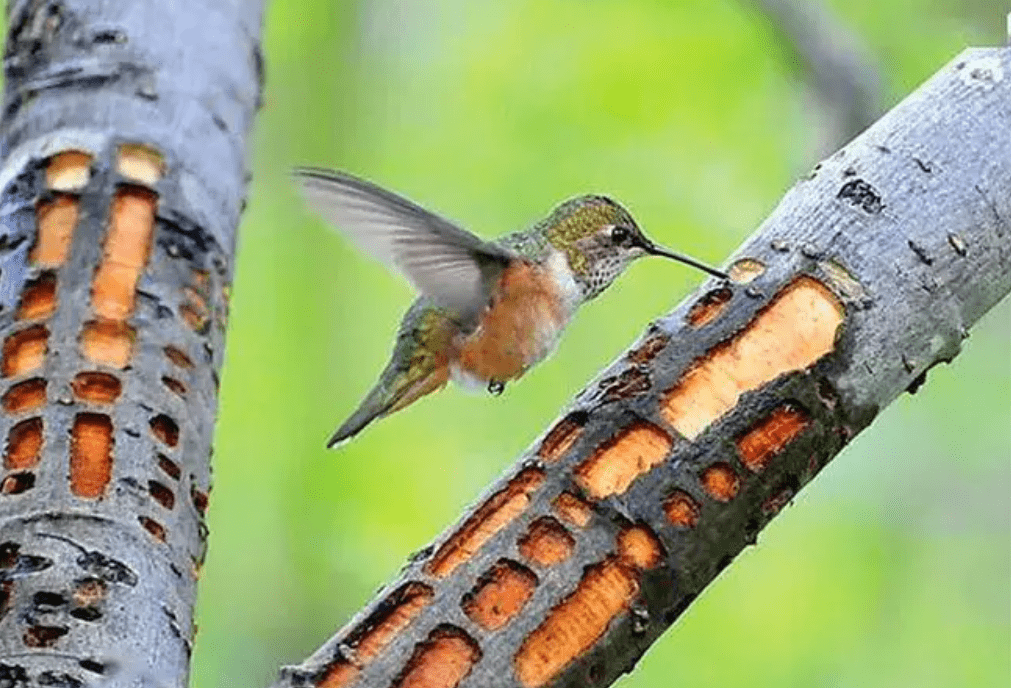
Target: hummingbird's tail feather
x,y
396,389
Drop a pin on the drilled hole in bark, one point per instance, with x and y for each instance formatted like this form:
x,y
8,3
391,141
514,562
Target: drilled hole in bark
x,y
43,636
746,270
709,307
562,436
793,332
9,554
574,625
90,454
152,526
96,387
38,300
770,436
196,319
89,614
571,508
92,666
721,482
682,510
48,599
126,251
178,357
546,542
25,396
649,349
140,163
24,445
174,385
165,430
639,547
16,483
499,594
6,590
161,494
25,350
89,592
494,515
368,639
169,467
199,500
107,341
69,170
616,463
441,661
56,219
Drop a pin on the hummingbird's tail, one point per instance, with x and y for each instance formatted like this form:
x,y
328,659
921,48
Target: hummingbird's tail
x,y
396,389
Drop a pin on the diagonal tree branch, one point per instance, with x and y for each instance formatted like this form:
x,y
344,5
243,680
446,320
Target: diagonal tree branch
x,y
121,186
869,272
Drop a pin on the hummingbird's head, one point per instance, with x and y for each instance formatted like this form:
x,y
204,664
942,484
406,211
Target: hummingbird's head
x,y
599,238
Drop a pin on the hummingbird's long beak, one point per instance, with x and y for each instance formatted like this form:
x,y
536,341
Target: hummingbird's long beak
x,y
654,250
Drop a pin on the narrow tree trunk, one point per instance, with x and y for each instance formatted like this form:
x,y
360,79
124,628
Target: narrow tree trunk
x,y
122,179
869,272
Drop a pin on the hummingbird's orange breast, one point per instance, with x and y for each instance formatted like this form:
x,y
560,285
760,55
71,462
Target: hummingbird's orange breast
x,y
520,327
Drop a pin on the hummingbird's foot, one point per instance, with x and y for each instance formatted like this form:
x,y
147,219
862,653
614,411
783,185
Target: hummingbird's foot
x,y
495,387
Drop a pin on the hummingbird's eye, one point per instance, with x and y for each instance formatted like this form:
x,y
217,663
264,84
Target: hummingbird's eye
x,y
620,235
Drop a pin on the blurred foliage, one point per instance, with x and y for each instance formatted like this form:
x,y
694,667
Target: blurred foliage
x,y
891,569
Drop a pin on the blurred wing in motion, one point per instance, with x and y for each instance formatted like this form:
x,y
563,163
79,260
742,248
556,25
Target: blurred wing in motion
x,y
452,266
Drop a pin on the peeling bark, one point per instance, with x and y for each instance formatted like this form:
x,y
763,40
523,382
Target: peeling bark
x,y
870,272
122,180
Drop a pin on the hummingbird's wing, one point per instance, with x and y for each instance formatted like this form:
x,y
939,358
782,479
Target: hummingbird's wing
x,y
454,267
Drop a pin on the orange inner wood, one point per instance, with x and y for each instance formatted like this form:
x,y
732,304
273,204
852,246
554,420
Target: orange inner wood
x,y
797,328
56,219
376,633
746,270
38,300
24,445
572,509
490,518
152,526
546,542
721,482
107,341
442,661
126,252
681,509
90,454
25,350
25,396
499,595
560,439
632,452
573,626
639,547
709,307
140,163
770,436
68,171
96,387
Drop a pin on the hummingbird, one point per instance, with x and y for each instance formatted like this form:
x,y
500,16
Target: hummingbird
x,y
488,310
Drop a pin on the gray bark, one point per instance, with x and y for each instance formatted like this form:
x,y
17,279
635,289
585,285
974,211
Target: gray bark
x,y
108,428
899,242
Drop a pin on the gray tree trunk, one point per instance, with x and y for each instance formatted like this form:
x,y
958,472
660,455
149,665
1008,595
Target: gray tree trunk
x,y
870,272
122,180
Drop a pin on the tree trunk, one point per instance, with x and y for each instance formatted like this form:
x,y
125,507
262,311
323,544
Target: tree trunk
x,y
870,272
122,182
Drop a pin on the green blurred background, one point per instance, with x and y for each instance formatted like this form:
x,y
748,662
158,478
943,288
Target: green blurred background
x,y
891,569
